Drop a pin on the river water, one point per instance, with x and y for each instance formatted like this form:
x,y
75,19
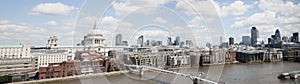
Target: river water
x,y
243,73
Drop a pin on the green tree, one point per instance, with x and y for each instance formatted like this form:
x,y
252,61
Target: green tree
x,y
3,79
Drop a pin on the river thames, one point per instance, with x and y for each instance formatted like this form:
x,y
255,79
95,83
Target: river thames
x,y
243,73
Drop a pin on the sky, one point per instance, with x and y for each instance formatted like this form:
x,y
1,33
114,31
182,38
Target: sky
x,y
202,21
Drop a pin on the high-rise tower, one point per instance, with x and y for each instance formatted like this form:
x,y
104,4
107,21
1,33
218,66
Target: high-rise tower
x,y
118,39
277,36
254,36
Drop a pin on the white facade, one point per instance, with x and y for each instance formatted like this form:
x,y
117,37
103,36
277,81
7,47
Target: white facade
x,y
15,51
51,56
52,42
16,59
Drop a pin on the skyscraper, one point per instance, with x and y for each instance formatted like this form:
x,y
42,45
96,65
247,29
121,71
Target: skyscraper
x,y
246,40
169,41
295,37
254,36
177,40
231,41
189,43
140,41
158,43
118,40
277,36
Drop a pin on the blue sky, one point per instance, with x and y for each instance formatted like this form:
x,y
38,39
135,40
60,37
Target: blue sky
x,y
201,21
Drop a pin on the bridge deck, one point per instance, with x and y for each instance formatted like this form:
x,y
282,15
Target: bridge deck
x,y
175,73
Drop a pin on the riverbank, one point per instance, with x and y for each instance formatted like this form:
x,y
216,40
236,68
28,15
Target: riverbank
x,y
70,78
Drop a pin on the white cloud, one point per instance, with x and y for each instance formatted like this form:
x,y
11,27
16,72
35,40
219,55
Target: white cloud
x,y
12,33
106,22
196,7
267,17
86,21
52,9
274,13
4,22
159,20
236,8
239,18
280,7
123,7
109,21
51,23
291,28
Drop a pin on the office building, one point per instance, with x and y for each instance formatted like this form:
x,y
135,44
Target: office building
x,y
277,37
285,39
254,36
169,41
17,62
295,37
15,51
177,41
231,41
140,41
118,39
46,56
189,43
246,40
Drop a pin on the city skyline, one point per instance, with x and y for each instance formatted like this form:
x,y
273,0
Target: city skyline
x,y
34,22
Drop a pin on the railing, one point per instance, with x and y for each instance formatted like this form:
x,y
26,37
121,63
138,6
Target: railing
x,y
192,77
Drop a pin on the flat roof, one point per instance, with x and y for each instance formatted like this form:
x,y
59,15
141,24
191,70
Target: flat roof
x,y
10,46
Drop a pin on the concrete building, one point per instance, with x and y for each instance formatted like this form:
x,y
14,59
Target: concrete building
x,y
169,41
46,56
231,41
118,39
295,37
246,40
15,51
24,66
254,36
144,60
189,43
16,61
177,41
215,56
285,39
140,41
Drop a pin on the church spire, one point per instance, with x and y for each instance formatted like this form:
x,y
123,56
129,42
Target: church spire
x,y
95,25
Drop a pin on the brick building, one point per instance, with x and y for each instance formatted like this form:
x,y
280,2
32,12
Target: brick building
x,y
62,69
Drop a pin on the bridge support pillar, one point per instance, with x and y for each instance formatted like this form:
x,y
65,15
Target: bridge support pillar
x,y
141,71
195,81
